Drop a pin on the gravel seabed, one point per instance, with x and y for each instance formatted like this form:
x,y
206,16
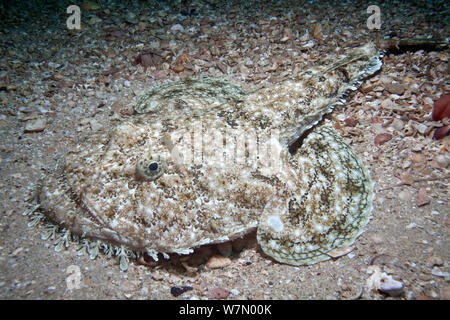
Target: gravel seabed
x,y
56,83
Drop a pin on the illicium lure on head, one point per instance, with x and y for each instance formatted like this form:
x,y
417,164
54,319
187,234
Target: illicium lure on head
x,y
193,167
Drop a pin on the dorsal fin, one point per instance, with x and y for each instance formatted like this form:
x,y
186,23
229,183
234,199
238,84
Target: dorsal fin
x,y
202,93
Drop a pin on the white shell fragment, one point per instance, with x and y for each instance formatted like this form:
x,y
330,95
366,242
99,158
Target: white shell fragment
x,y
205,162
383,282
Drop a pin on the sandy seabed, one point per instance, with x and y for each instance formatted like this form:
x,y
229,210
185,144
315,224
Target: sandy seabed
x,y
56,83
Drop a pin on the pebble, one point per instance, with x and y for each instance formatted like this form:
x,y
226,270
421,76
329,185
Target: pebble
x,y
217,261
177,27
397,124
177,291
417,147
385,80
447,221
412,225
3,75
420,127
157,275
142,25
154,44
284,39
131,18
172,44
317,31
35,125
387,104
392,287
218,293
405,195
418,158
309,44
117,34
442,161
350,122
434,261
439,273
95,125
305,36
395,88
17,251
428,100
235,292
383,282
145,60
88,5
406,164
178,68
382,138
94,20
128,295
422,198
24,116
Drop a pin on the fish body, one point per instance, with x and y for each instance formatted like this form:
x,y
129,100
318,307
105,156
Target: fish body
x,y
204,161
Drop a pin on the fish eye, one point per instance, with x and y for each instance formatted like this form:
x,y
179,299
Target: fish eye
x,y
153,166
150,168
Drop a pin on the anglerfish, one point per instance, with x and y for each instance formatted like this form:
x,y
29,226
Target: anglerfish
x,y
204,161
